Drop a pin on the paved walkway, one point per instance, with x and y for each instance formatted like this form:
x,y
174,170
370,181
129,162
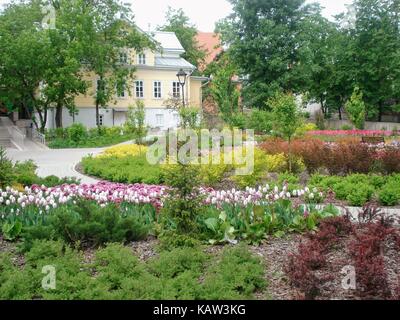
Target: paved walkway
x,y
60,163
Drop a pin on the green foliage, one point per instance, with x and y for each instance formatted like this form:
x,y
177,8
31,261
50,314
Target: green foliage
x,y
116,273
130,169
355,108
390,194
238,275
238,120
260,121
78,136
358,189
6,170
287,118
190,117
77,132
179,23
136,121
254,223
286,114
92,225
262,162
183,206
279,61
223,90
12,230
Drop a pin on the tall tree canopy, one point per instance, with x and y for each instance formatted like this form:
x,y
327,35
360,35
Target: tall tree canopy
x,y
265,39
43,68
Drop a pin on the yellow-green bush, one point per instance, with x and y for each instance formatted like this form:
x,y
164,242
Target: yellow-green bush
x,y
276,162
305,128
123,151
260,170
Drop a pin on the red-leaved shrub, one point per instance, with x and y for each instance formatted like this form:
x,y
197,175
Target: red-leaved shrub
x,y
340,157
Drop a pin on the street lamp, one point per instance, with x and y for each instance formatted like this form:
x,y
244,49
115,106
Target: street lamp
x,y
182,81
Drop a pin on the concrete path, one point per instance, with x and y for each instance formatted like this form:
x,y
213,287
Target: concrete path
x,y
60,163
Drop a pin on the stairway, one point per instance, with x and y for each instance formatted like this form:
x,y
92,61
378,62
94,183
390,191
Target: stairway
x,y
5,137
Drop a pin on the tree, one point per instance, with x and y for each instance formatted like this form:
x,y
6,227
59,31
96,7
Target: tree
x,y
104,36
63,79
287,117
223,89
376,49
136,120
355,108
179,23
24,55
265,38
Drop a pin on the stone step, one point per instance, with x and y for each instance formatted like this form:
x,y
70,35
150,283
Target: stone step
x,y
5,143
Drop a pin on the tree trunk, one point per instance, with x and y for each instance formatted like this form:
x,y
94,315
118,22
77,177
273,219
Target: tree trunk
x,y
290,154
43,124
340,113
59,110
380,112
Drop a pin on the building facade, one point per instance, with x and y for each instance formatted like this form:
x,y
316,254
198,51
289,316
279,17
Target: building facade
x,y
155,83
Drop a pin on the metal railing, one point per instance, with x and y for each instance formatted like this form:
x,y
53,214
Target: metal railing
x,y
38,136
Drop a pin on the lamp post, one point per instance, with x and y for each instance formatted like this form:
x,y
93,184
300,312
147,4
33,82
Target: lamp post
x,y
182,81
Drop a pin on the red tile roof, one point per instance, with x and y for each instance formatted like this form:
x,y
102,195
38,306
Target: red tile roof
x,y
211,43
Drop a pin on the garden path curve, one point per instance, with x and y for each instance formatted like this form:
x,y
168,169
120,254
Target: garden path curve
x,y
57,162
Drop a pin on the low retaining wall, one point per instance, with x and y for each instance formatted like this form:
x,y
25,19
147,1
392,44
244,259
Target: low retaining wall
x,y
338,124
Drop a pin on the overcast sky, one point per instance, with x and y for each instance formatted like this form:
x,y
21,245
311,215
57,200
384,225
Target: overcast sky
x,y
204,13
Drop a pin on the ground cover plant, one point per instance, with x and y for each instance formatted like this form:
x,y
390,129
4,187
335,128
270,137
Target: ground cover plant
x,y
116,273
370,246
359,189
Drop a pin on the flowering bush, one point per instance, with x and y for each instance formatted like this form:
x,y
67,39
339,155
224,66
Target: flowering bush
x,y
354,132
340,157
123,151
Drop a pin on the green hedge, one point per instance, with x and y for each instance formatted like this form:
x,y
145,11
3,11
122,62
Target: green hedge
x,y
358,189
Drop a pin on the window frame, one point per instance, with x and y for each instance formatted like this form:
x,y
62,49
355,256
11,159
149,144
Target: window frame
x,y
126,57
160,90
136,89
141,59
162,117
178,89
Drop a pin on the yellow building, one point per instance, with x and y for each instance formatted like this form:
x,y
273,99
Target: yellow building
x,y
155,82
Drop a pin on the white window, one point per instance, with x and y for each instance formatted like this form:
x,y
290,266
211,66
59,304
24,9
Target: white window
x,y
176,89
141,58
159,119
101,120
139,89
121,90
123,57
157,90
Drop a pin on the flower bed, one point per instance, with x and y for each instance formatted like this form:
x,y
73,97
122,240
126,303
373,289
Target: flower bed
x,y
340,157
354,132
